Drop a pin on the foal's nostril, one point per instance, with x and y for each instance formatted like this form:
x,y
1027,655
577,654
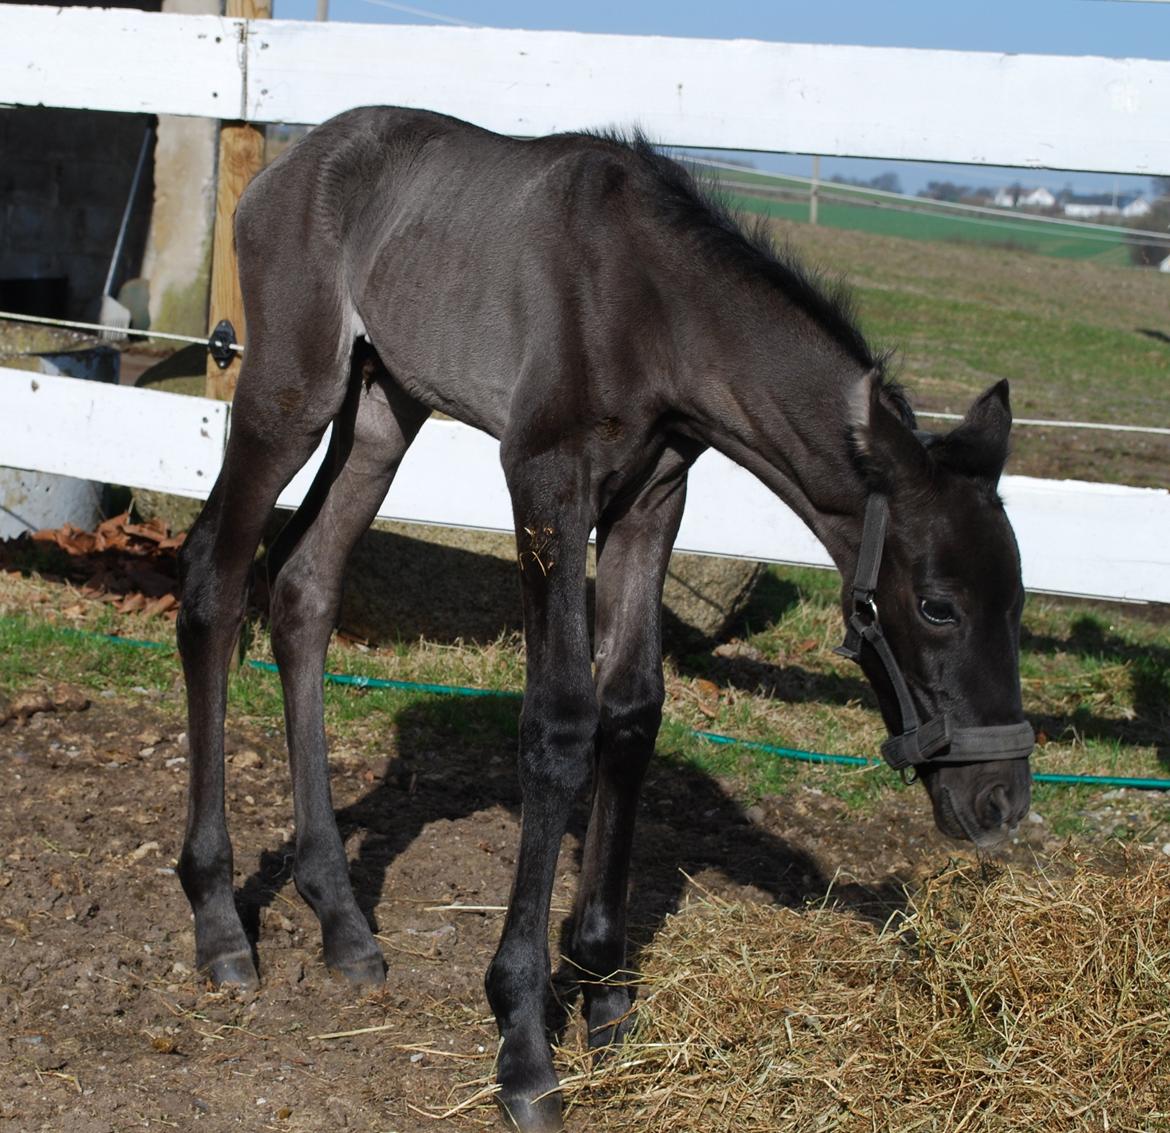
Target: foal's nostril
x,y
994,808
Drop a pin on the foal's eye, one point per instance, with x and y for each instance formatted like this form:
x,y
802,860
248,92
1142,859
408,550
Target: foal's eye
x,y
938,612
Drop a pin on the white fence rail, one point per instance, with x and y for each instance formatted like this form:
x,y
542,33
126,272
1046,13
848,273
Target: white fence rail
x,y
1092,540
1062,112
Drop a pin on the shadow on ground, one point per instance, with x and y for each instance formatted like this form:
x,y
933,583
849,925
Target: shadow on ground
x,y
455,758
1149,674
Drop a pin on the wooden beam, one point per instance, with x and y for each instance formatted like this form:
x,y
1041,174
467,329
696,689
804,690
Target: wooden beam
x,y
241,157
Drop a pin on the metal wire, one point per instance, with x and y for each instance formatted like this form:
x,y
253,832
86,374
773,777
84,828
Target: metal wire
x,y
120,331
1156,430
1151,429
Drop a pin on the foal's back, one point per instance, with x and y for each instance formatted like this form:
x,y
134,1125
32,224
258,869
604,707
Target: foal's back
x,y
471,260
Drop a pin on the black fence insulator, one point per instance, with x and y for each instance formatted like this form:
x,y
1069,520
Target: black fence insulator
x,y
220,344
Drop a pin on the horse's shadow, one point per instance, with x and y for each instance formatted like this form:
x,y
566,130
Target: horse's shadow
x,y
457,757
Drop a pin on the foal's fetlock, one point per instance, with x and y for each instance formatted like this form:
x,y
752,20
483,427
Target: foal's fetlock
x,y
222,951
609,1015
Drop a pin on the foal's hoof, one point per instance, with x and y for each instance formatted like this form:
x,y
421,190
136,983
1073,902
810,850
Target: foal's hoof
x,y
539,1115
369,971
236,969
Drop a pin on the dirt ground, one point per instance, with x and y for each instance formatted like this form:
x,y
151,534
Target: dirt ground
x,y
104,1027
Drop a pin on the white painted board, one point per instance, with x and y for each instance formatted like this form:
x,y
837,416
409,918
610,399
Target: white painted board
x,y
121,59
115,434
1062,112
1076,538
1094,540
1067,112
1091,540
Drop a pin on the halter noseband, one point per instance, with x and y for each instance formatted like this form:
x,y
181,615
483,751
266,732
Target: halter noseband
x,y
933,741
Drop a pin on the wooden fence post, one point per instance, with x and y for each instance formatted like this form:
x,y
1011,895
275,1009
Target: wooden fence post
x,y
241,156
814,190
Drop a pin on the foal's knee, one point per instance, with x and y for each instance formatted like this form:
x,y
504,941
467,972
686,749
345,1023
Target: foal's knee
x,y
629,718
558,734
206,608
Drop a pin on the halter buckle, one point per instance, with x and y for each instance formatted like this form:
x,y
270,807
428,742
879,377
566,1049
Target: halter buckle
x,y
866,605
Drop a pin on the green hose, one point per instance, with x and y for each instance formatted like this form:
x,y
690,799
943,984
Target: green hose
x,y
711,737
394,686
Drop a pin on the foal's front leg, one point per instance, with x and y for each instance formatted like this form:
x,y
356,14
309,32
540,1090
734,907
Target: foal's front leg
x,y
556,745
633,550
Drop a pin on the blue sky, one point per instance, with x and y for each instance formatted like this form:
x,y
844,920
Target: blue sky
x,y
1055,27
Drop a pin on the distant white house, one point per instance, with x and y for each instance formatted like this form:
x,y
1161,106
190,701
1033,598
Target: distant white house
x,y
1105,204
1014,197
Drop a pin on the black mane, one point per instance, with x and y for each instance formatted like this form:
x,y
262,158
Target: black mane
x,y
701,207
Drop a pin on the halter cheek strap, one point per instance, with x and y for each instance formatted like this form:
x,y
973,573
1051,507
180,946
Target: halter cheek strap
x,y
932,741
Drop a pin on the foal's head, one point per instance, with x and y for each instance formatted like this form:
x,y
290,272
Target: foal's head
x,y
948,600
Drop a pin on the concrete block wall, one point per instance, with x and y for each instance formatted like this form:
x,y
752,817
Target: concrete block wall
x,y
64,180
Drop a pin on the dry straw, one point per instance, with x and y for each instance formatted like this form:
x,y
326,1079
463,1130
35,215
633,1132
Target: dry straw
x,y
995,1001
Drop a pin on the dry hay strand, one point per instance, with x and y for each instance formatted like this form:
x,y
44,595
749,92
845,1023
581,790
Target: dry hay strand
x,y
1015,1000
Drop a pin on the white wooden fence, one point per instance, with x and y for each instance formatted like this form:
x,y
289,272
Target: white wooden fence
x,y
1073,113
1093,540
1062,112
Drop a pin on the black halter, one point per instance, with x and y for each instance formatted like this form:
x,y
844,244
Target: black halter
x,y
937,740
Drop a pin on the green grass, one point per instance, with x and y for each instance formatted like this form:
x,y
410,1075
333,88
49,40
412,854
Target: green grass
x,y
1096,684
969,341
915,225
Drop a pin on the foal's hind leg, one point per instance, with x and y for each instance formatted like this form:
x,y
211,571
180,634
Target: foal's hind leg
x,y
369,440
632,555
288,393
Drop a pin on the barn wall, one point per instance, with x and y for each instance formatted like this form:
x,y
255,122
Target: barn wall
x,y
64,178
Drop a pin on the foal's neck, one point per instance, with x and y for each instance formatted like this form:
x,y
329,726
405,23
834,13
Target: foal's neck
x,y
776,393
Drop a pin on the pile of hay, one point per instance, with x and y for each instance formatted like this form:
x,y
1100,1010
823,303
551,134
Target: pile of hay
x,y
1019,1000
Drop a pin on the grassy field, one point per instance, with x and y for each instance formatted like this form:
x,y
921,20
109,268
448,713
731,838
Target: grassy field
x,y
1079,341
842,206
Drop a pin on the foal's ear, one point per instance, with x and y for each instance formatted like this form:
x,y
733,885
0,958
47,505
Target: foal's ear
x,y
884,441
979,445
